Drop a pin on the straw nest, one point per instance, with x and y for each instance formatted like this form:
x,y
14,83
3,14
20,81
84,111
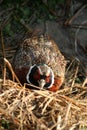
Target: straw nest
x,y
26,109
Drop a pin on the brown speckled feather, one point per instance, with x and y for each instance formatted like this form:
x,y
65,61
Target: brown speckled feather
x,y
39,50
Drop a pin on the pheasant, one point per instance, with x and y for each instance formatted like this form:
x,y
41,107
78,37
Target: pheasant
x,y
39,61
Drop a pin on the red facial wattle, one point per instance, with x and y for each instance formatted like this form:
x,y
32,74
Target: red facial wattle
x,y
36,76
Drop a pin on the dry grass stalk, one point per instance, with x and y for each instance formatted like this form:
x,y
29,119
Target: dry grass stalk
x,y
41,109
12,71
45,110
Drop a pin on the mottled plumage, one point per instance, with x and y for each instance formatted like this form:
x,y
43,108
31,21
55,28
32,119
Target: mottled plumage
x,y
40,50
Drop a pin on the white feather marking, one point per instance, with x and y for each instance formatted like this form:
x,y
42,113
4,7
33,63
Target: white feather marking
x,y
48,70
27,76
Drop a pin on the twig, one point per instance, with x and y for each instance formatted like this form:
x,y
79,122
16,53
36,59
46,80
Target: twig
x,y
71,63
79,95
82,46
47,7
6,21
21,109
6,10
73,127
75,76
3,52
85,82
12,71
67,113
48,102
78,25
76,34
15,120
73,101
69,21
59,121
67,5
25,25
66,117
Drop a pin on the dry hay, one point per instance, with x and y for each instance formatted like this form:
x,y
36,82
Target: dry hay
x,y
25,109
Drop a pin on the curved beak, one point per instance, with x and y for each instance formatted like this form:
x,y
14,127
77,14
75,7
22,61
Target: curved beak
x,y
41,83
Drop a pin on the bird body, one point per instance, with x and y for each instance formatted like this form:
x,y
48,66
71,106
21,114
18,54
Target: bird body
x,y
39,59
